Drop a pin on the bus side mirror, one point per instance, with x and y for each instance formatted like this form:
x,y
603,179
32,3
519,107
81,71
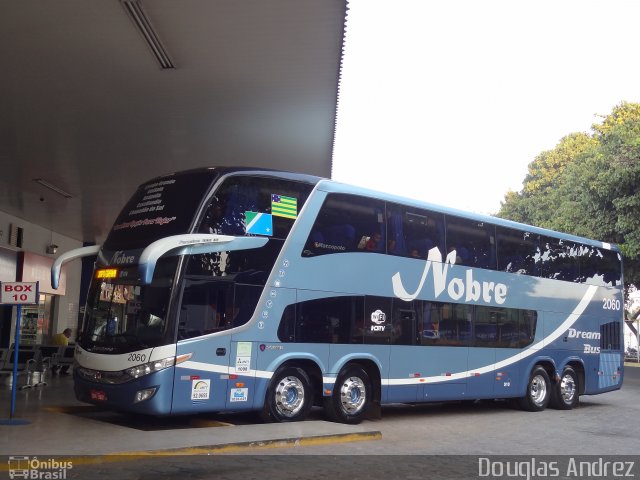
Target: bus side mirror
x,y
67,257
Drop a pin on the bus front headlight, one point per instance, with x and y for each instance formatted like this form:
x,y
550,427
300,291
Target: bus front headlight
x,y
150,367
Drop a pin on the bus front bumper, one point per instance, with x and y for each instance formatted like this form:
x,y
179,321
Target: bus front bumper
x,y
150,394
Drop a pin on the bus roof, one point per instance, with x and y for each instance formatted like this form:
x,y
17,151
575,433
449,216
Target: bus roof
x,y
312,179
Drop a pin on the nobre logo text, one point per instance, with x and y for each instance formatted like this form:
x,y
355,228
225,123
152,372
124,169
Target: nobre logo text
x,y
457,288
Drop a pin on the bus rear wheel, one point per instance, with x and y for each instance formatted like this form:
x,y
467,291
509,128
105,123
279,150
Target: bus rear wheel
x,y
565,393
351,397
538,391
289,396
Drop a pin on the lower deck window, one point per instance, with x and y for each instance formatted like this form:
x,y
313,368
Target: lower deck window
x,y
378,320
211,306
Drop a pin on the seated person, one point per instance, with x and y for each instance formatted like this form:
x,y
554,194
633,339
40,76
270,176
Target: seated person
x,y
62,340
374,243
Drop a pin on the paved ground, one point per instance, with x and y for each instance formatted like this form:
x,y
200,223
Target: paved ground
x,y
442,440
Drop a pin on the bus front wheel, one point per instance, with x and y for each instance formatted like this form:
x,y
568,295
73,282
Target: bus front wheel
x,y
289,396
538,391
565,392
351,396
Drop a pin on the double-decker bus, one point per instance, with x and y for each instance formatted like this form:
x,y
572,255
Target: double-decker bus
x,y
228,289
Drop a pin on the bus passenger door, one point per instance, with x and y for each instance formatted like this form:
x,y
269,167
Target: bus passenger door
x,y
444,334
200,383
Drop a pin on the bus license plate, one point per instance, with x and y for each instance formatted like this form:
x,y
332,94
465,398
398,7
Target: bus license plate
x,y
98,395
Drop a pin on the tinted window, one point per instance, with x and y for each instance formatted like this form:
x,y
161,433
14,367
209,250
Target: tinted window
x,y
600,267
518,251
474,242
405,322
347,223
278,198
251,266
326,320
446,324
610,336
503,327
559,259
212,306
344,320
413,232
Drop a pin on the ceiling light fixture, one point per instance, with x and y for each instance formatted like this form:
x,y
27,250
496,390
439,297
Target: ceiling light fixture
x,y
142,22
53,187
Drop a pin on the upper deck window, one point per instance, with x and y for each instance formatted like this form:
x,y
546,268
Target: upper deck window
x,y
473,242
518,251
351,223
413,232
348,223
230,209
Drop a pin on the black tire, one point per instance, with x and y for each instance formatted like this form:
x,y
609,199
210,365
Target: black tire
x,y
565,393
289,396
538,392
351,397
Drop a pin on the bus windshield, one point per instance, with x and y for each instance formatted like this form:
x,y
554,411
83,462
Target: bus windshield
x,y
123,315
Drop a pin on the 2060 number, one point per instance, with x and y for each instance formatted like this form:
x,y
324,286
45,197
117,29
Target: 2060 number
x,y
137,357
611,304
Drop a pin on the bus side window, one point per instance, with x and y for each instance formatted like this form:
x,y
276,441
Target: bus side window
x,y
413,232
347,223
474,242
404,323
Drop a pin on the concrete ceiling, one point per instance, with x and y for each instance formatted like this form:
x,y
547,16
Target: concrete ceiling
x,y
85,105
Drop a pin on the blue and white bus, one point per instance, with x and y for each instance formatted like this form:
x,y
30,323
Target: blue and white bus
x,y
228,289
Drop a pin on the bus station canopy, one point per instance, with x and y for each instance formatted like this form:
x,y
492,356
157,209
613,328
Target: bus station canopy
x,y
98,96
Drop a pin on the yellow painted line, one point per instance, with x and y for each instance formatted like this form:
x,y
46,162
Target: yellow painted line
x,y
214,449
204,423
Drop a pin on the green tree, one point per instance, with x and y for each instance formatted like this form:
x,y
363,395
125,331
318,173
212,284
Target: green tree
x,y
589,186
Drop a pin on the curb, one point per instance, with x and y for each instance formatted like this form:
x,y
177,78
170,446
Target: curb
x,y
263,444
293,442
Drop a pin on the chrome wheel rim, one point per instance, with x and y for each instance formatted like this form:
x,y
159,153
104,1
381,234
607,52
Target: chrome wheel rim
x,y
353,395
568,389
289,396
538,390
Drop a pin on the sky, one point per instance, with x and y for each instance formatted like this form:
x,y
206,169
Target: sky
x,y
448,101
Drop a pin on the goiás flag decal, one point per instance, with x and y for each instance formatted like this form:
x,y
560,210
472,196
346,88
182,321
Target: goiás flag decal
x,y
282,206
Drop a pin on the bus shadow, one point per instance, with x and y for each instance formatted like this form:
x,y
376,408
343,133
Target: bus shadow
x,y
148,423
468,407
230,419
